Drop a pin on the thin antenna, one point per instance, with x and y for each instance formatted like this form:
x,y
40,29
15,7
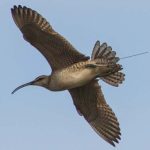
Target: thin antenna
x,y
134,55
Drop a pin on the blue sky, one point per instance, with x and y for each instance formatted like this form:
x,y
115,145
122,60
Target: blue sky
x,y
36,119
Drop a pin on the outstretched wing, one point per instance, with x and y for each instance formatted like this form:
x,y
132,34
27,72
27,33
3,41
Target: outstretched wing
x,y
38,32
90,103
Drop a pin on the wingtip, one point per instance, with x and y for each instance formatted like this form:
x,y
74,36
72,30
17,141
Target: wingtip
x,y
111,143
97,42
14,7
12,10
17,7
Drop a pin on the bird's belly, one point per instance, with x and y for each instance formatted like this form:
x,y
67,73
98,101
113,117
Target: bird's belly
x,y
68,80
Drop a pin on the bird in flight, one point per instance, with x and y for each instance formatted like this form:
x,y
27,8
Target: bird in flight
x,y
73,71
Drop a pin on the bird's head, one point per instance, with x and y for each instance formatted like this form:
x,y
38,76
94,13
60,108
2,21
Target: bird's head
x,y
42,80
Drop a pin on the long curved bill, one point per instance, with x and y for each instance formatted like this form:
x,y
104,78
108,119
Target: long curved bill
x,y
21,86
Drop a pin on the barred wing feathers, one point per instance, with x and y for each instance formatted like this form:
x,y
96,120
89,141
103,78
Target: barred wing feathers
x,y
38,32
90,102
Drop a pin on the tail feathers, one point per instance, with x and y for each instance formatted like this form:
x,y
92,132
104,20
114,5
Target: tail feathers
x,y
104,51
114,79
103,55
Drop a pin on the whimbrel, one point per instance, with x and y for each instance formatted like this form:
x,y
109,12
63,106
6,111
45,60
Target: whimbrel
x,y
73,71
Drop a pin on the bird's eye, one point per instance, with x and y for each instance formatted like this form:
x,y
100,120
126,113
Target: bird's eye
x,y
38,78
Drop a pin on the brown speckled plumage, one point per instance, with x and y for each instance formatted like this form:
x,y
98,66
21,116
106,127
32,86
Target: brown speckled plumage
x,y
61,55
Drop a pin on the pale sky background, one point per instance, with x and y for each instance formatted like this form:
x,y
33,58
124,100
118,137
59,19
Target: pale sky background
x,y
36,119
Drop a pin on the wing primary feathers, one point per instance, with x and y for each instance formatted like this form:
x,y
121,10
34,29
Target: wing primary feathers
x,y
89,100
40,34
23,16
